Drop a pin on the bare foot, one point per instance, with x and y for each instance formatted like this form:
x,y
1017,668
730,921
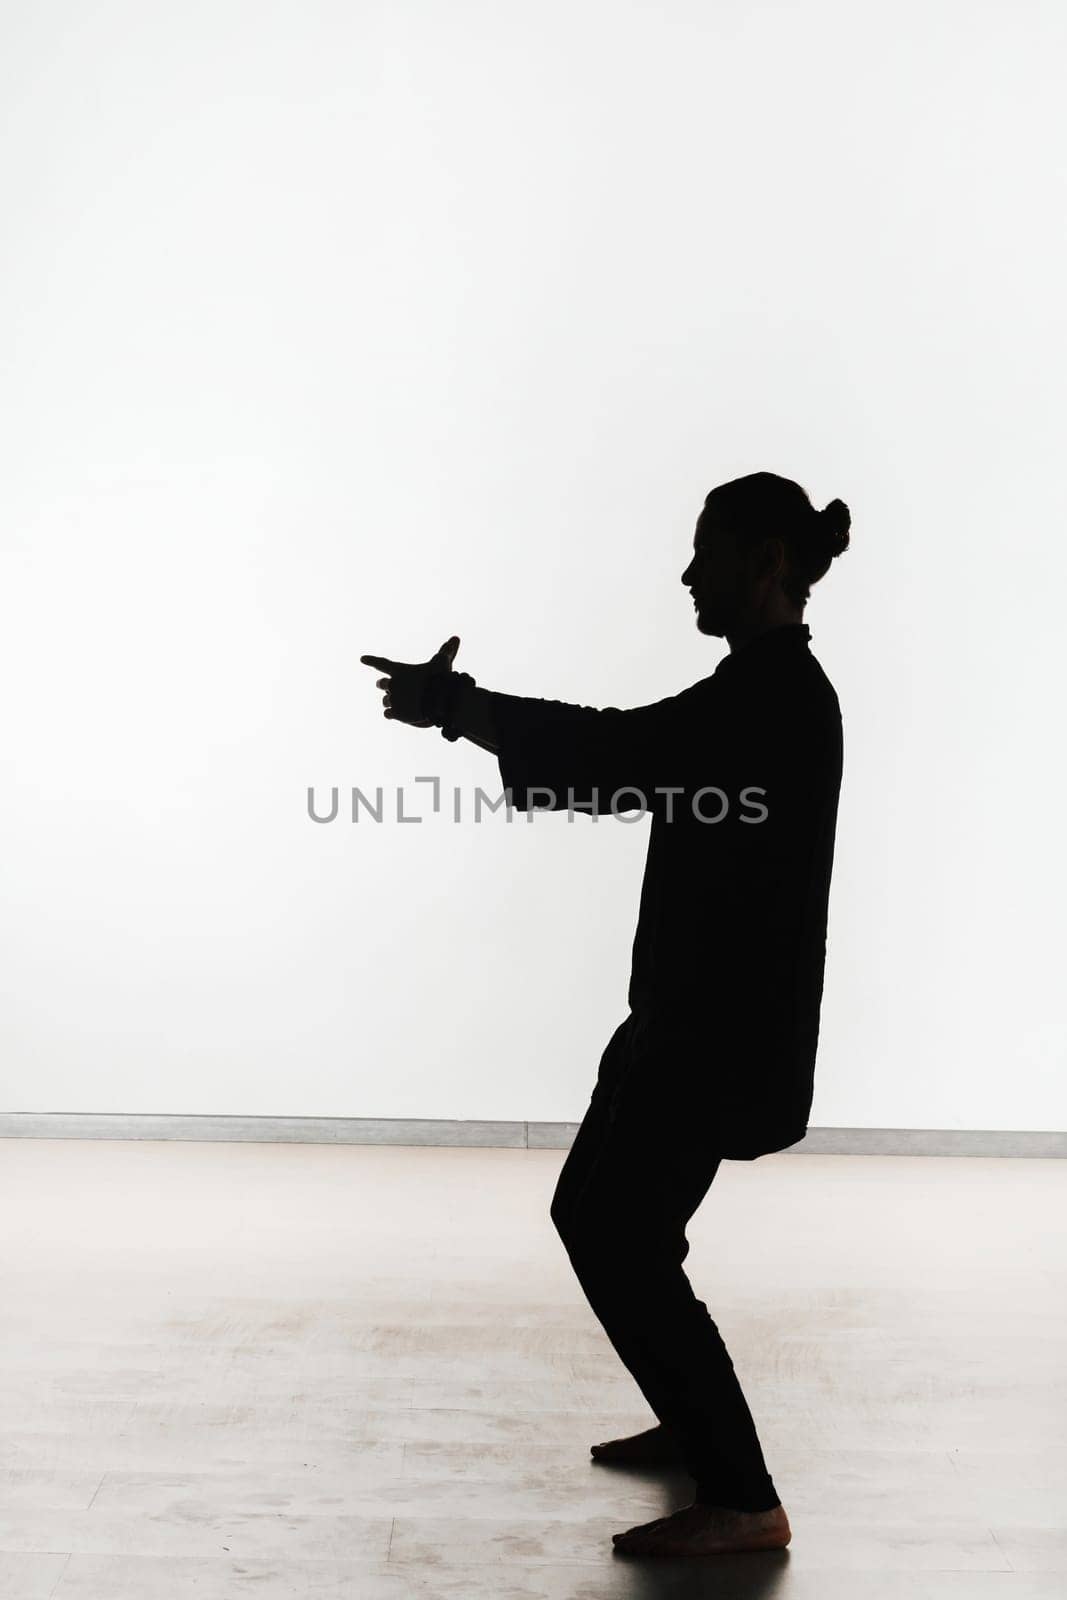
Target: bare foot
x,y
658,1446
700,1530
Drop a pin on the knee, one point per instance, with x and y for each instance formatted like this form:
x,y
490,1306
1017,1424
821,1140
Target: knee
x,y
619,1247
570,1223
591,1236
562,1215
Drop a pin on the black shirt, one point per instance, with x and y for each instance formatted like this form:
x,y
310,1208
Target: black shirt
x,y
728,957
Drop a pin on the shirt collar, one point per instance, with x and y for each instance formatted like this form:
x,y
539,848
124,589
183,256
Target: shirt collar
x,y
786,633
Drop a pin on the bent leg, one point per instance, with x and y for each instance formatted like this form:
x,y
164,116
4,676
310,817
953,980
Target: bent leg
x,y
635,1186
581,1162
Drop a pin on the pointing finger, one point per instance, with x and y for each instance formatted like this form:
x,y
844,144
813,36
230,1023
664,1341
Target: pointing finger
x,y
378,661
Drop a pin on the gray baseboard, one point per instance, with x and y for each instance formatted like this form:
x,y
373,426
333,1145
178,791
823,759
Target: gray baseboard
x,y
501,1135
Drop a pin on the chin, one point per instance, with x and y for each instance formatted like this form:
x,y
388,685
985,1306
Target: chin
x,y
712,626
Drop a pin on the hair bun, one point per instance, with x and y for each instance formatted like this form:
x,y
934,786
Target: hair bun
x,y
836,520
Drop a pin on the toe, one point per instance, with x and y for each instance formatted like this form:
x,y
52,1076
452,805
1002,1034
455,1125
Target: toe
x,y
638,1544
636,1533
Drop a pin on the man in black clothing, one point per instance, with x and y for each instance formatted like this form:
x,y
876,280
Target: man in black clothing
x,y
715,1059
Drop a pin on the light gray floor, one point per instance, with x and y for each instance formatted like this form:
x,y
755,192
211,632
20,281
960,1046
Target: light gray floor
x,y
315,1370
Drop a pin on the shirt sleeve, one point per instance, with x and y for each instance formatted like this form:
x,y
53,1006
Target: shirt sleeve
x,y
554,756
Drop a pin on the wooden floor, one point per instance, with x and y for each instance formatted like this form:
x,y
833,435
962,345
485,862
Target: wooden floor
x,y
298,1370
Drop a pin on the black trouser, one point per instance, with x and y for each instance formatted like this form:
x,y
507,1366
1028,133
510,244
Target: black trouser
x,y
641,1163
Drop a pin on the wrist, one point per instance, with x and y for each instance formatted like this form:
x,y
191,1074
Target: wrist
x,y
444,693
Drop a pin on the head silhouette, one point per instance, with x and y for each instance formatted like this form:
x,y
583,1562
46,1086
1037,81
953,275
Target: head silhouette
x,y
759,546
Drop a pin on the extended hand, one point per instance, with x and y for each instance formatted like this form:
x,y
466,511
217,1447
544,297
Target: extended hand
x,y
405,686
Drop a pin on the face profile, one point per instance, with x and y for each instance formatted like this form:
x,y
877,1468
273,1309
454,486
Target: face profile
x,y
717,578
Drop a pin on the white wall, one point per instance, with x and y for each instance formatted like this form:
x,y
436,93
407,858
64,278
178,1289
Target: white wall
x,y
332,328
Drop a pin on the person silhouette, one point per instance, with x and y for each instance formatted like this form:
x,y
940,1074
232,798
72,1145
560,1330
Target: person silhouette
x,y
714,1061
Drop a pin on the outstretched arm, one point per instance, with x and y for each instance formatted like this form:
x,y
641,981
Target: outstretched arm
x,y
556,756
566,755
553,754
